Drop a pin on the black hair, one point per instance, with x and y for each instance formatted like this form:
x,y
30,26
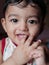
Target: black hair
x,y
40,3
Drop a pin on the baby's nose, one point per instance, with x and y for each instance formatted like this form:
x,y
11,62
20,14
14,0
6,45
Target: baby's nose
x,y
23,26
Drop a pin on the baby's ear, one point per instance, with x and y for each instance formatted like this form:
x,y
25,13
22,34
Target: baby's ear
x,y
3,22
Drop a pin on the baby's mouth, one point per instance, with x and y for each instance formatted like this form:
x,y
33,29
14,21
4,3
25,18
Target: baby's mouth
x,y
21,36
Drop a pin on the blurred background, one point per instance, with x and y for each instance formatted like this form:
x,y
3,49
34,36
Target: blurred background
x,y
44,35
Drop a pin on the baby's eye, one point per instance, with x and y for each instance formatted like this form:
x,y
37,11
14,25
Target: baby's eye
x,y
33,21
14,20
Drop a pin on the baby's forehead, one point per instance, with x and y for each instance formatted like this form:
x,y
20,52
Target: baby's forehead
x,y
20,7
23,13
28,9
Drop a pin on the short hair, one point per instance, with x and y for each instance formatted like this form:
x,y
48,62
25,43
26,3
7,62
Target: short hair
x,y
40,4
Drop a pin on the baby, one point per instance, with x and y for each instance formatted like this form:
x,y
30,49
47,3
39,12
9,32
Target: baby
x,y
23,21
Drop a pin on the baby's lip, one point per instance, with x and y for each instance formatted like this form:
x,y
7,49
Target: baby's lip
x,y
21,36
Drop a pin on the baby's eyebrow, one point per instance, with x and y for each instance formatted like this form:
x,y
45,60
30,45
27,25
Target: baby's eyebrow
x,y
12,15
35,16
30,16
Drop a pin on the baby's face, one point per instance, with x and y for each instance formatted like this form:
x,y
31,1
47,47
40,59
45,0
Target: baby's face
x,y
20,23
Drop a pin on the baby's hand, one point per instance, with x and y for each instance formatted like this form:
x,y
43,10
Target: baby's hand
x,y
22,52
38,55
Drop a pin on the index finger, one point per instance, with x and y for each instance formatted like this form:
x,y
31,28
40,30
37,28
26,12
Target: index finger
x,y
29,40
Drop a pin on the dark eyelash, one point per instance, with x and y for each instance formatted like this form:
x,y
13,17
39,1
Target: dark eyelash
x,y
14,20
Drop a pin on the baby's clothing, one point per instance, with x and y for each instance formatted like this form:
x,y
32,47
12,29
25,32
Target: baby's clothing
x,y
8,47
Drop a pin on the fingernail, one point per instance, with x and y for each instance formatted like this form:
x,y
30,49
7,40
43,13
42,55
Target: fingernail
x,y
39,40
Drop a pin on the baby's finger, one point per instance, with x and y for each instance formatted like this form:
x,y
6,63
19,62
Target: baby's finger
x,y
37,53
29,40
35,44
